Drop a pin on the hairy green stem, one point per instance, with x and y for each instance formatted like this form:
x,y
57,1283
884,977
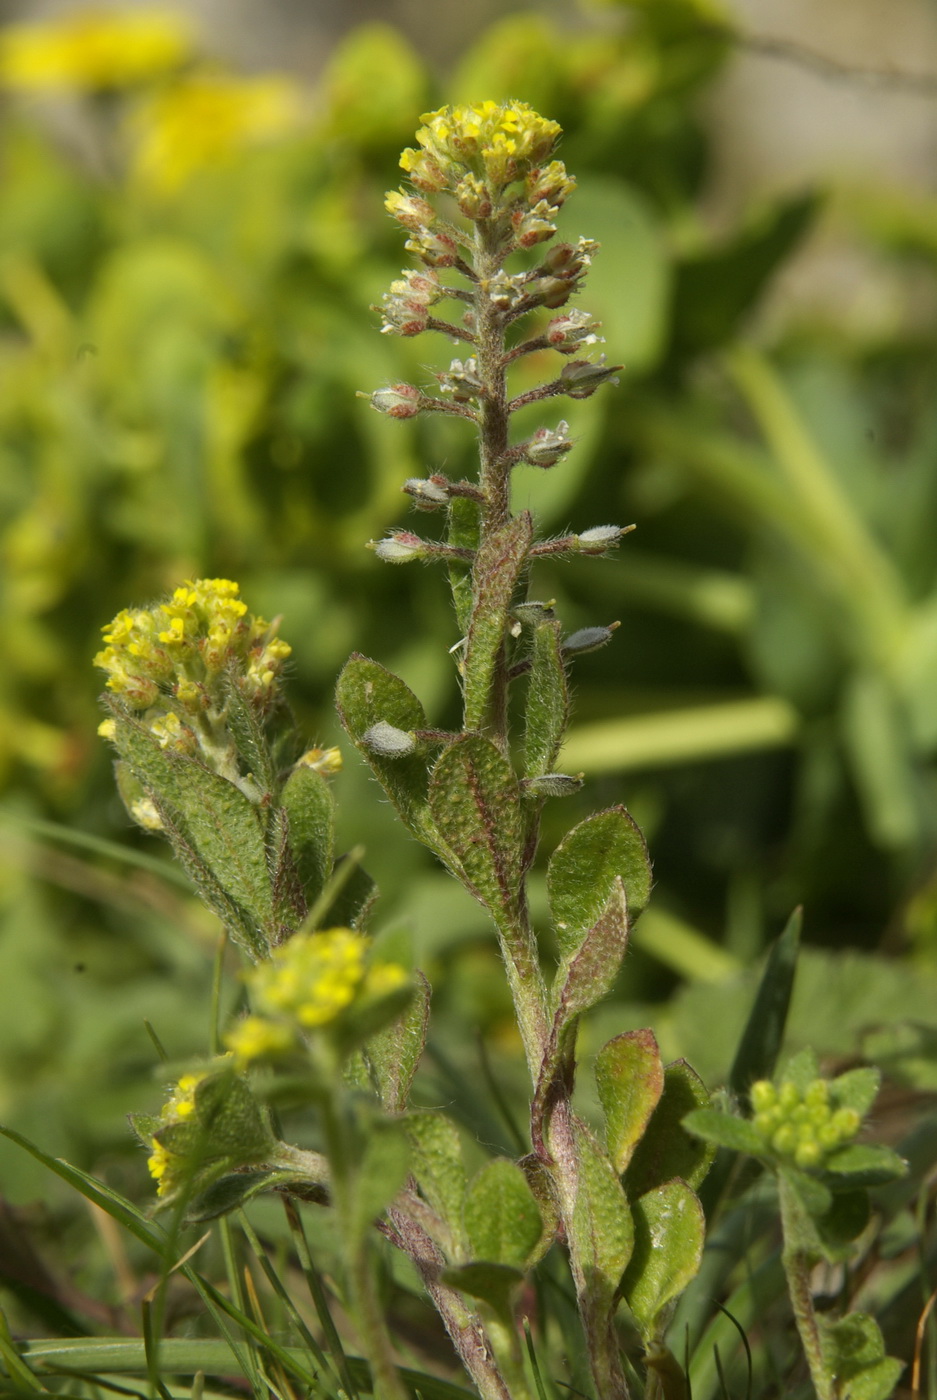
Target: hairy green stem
x,y
465,1329
359,1259
597,1318
797,1265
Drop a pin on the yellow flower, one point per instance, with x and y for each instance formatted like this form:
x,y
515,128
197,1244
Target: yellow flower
x,y
203,120
311,979
179,646
500,142
94,50
256,1038
179,1107
321,760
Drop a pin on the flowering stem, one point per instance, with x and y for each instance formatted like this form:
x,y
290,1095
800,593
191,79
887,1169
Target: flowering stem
x,y
361,1273
494,476
797,1263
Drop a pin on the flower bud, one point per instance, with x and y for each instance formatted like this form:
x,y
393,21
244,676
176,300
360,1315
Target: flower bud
x,y
507,290
408,209
572,329
550,184
388,741
581,378
406,306
474,198
534,225
427,493
462,380
321,760
397,401
570,260
434,249
401,547
548,446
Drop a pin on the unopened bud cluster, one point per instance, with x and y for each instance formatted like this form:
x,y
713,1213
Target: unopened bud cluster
x,y
806,1126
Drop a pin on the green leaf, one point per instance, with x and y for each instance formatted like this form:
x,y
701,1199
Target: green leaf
x,y
233,1191
669,1233
310,807
815,1201
289,902
217,823
395,1052
667,1150
110,1201
801,1070
763,1036
368,694
498,565
437,1165
226,1128
726,1130
878,740
629,1077
856,1089
463,534
602,1226
250,738
866,1164
474,799
541,1185
380,1174
354,900
854,1352
547,712
501,1218
714,290
589,974
845,1220
493,1283
583,869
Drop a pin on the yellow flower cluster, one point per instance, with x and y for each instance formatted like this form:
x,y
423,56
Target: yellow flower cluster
x,y
179,1107
804,1126
94,50
305,985
494,142
205,119
175,652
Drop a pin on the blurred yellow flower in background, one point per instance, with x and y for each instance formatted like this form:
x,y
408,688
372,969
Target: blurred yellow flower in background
x,y
94,50
205,119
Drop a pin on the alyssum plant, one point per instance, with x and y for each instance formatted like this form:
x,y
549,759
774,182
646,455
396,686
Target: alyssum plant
x,y
334,1033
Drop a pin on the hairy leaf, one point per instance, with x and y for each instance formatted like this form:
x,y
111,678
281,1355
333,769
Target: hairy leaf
x,y
547,712
437,1165
669,1233
629,1077
394,1053
667,1150
368,694
498,567
583,869
502,1220
310,807
474,800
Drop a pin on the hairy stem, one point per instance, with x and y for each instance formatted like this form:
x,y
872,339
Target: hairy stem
x,y
463,1325
797,1268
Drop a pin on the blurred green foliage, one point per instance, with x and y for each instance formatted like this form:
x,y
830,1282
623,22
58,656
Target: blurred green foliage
x,y
180,356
